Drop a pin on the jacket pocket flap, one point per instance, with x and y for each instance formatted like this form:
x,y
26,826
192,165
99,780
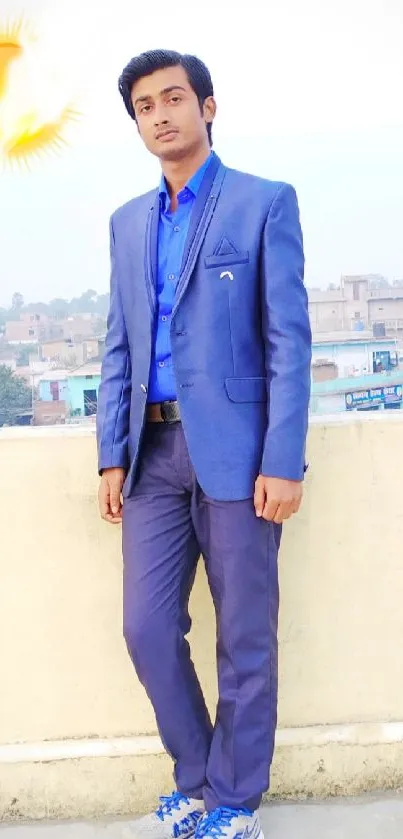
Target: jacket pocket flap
x,y
251,389
217,260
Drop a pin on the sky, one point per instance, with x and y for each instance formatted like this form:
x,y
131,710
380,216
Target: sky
x,y
308,91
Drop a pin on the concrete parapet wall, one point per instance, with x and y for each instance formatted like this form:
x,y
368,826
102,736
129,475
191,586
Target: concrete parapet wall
x,y
77,733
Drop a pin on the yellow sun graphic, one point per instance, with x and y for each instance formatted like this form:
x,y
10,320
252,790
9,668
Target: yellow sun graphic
x,y
32,118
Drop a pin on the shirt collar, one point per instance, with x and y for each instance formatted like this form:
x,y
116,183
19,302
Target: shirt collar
x,y
193,184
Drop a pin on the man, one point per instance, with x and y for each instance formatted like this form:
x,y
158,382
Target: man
x,y
202,421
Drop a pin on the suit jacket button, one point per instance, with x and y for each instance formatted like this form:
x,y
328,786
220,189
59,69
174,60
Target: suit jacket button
x,y
143,388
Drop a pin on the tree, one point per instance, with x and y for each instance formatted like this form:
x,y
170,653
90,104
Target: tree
x,y
90,294
15,396
86,304
103,305
37,308
3,318
58,308
378,281
17,301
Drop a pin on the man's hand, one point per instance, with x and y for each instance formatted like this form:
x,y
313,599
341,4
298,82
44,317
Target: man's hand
x,y
277,499
110,495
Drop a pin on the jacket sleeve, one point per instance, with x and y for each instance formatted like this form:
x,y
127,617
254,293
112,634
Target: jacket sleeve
x,y
288,339
115,390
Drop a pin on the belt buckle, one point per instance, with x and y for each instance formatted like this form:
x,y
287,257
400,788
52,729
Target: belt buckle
x,y
170,411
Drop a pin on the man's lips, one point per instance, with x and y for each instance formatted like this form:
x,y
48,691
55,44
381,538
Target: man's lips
x,y
167,134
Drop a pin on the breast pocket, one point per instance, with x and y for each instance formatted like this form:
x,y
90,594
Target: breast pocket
x,y
226,260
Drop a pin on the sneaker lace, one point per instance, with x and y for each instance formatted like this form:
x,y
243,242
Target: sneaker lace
x,y
213,823
169,803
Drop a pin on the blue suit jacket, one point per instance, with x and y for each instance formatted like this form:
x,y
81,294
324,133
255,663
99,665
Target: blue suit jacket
x,y
241,340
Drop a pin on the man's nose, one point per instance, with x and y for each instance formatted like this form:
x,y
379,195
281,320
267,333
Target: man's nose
x,y
160,116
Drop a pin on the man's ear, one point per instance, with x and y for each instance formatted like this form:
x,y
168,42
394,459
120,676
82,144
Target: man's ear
x,y
209,109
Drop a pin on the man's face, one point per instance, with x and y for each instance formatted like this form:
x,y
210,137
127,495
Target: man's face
x,y
168,114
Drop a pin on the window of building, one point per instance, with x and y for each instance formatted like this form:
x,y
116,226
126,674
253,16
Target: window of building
x,y
90,403
31,332
356,291
357,315
381,361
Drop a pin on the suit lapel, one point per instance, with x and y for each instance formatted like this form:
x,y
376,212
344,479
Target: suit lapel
x,y
201,216
151,251
200,204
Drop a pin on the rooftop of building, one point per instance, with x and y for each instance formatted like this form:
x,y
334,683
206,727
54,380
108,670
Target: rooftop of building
x,y
56,375
317,295
321,295
363,336
92,368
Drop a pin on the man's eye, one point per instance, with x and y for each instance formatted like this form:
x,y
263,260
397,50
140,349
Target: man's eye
x,y
145,109
175,99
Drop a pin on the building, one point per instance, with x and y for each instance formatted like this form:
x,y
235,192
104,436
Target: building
x,y
385,309
33,328
324,370
65,395
52,405
29,329
352,354
69,353
78,327
83,386
53,386
355,306
326,310
50,413
380,391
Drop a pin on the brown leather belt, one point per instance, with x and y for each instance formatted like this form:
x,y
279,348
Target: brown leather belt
x,y
163,412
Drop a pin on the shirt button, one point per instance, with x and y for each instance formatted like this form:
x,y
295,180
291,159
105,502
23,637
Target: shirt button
x,y
161,364
171,276
164,318
143,388
176,229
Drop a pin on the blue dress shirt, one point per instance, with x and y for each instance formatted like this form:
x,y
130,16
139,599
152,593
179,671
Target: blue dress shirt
x,y
172,232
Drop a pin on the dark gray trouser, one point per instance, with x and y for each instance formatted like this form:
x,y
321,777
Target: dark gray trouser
x,y
167,522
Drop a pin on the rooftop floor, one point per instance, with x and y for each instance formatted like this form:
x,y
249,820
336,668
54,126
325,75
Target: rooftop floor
x,y
364,818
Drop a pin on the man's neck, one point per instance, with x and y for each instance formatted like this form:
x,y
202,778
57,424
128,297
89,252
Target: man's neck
x,y
178,172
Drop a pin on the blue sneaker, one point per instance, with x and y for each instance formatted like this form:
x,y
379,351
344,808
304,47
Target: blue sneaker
x,y
226,823
176,818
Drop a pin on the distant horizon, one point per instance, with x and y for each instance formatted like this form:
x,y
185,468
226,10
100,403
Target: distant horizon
x,y
8,307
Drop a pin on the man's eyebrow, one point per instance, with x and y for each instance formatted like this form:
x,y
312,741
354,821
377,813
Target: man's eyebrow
x,y
163,92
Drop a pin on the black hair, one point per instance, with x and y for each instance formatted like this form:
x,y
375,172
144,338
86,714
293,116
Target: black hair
x,y
148,62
